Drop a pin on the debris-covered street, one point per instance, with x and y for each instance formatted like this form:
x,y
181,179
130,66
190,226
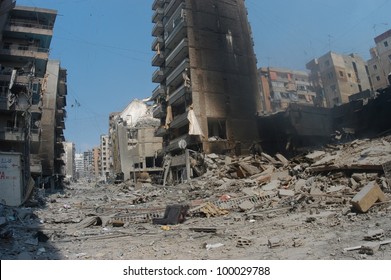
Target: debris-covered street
x,y
332,203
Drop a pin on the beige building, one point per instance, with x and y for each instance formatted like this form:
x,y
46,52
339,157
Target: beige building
x,y
380,63
105,156
281,87
134,146
340,76
69,158
96,157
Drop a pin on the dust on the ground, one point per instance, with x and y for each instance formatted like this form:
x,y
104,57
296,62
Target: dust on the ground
x,y
263,207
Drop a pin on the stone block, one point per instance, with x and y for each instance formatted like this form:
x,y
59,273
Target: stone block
x,y
368,196
284,192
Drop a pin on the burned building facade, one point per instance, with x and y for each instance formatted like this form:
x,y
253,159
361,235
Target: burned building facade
x,y
208,96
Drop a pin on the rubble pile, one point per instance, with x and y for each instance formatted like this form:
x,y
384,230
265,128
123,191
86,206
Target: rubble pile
x,y
317,205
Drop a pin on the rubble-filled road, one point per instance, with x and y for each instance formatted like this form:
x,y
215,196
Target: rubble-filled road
x,y
333,203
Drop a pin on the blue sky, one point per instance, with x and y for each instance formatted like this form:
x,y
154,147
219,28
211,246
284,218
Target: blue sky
x,y
106,47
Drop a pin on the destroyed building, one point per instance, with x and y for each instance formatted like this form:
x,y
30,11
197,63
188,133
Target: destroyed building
x,y
208,96
134,146
33,95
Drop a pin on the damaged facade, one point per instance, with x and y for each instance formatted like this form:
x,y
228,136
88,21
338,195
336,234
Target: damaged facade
x,y
134,146
380,63
281,87
208,96
33,95
336,77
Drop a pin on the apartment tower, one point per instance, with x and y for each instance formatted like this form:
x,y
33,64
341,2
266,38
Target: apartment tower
x,y
207,96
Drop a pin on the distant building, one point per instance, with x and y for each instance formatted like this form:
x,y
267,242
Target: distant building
x,y
380,63
281,87
96,154
79,162
69,158
105,156
88,160
340,76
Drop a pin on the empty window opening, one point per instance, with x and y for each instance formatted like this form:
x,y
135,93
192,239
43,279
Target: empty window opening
x,y
217,128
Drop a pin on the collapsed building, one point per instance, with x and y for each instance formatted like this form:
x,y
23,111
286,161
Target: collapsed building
x,y
207,96
32,102
134,146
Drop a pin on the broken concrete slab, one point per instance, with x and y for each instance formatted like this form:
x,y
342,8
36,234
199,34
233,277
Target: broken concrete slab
x,y
246,205
285,193
367,197
315,155
275,184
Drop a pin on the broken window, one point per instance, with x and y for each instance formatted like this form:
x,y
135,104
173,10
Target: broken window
x,y
217,128
150,162
375,67
386,44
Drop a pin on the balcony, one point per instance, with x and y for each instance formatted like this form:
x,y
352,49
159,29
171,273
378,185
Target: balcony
x,y
35,135
174,144
159,90
158,111
158,76
157,29
158,59
12,134
178,54
161,131
175,78
178,96
15,50
179,121
158,15
158,4
177,33
32,28
157,41
170,8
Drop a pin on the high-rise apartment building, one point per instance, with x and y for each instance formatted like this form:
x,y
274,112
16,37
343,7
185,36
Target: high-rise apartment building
x,y
79,163
281,87
340,76
32,92
69,158
380,63
105,156
96,153
208,96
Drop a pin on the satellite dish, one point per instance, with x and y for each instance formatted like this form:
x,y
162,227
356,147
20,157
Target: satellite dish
x,y
182,144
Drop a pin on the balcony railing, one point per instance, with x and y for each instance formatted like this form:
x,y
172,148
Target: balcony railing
x,y
29,24
158,111
177,96
179,53
158,15
158,40
179,121
157,29
159,90
176,75
158,59
158,76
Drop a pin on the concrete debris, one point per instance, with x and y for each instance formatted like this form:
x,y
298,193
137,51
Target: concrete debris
x,y
367,197
305,207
